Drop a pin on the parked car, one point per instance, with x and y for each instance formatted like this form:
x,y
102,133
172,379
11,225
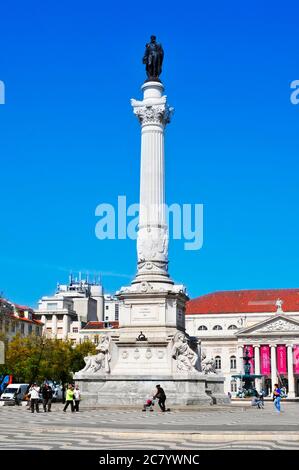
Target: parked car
x,y
14,394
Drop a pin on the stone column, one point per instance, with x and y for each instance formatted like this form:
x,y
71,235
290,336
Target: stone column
x,y
274,379
54,326
257,366
65,326
152,241
240,364
44,321
291,381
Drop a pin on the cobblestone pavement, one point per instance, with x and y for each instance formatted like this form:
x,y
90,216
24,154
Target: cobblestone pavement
x,y
229,427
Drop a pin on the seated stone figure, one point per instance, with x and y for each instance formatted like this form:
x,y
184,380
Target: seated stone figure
x,y
185,356
208,366
100,361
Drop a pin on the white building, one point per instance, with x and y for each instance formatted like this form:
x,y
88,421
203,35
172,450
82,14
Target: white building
x,y
266,322
70,308
111,308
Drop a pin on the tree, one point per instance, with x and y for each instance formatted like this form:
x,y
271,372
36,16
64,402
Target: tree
x,y
36,358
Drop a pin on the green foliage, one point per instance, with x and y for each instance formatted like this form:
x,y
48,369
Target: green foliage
x,y
36,358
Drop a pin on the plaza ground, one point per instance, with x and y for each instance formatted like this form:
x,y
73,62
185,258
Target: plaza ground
x,y
216,427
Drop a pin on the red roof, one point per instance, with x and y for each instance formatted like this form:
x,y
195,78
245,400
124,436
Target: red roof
x,y
100,325
23,307
244,301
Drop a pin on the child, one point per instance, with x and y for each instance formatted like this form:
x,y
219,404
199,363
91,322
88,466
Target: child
x,y
148,404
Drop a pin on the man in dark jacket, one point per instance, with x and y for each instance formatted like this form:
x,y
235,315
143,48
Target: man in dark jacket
x,y
47,395
161,397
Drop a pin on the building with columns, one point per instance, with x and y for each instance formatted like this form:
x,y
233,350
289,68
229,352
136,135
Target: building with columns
x,y
73,306
70,308
266,322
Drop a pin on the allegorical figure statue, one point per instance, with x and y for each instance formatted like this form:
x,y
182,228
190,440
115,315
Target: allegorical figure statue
x,y
185,356
99,361
153,58
208,366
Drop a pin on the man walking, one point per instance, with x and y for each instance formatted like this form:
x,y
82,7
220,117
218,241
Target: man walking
x,y
69,399
77,397
34,397
161,397
47,395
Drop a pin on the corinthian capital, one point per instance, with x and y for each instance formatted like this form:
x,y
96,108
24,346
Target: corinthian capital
x,y
153,114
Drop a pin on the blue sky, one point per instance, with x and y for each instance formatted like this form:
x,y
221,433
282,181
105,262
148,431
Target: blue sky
x,y
69,140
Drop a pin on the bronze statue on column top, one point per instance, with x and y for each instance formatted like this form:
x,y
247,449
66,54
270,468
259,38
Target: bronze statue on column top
x,y
153,59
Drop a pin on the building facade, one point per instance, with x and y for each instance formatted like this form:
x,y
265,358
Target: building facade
x,y
93,330
19,319
73,306
265,322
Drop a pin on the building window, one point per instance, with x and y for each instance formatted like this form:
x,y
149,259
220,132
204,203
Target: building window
x,y
22,328
107,307
217,327
37,331
29,329
106,318
75,329
59,317
116,312
232,327
233,362
96,339
85,338
233,386
52,305
202,327
217,362
13,327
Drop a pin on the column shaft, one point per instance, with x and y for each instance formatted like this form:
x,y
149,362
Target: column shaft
x,y
273,366
291,381
257,369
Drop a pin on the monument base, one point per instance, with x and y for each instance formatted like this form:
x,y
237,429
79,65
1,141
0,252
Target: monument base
x,y
197,389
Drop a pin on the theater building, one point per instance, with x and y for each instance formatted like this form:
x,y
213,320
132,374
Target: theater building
x,y
266,322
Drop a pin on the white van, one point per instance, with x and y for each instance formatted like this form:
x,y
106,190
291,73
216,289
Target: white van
x,y
14,393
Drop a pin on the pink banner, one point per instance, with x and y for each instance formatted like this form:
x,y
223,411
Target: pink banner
x,y
281,357
296,359
265,360
251,354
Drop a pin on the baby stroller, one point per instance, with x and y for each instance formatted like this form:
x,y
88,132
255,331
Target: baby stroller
x,y
148,404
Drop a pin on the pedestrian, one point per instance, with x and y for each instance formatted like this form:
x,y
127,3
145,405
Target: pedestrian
x,y
277,397
69,399
77,397
63,393
47,395
161,396
34,397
